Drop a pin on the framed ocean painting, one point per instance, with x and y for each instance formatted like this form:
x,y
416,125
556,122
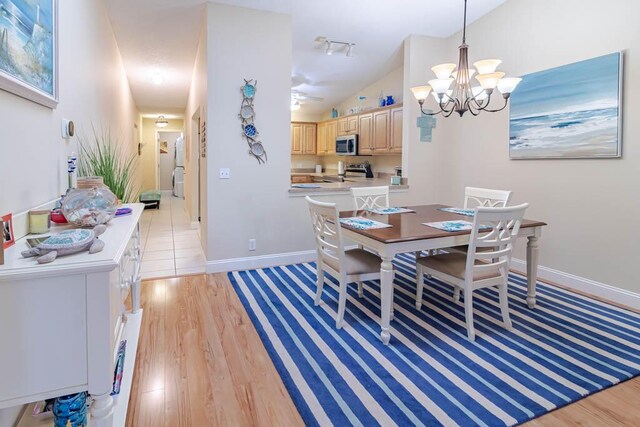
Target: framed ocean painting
x,y
569,112
29,49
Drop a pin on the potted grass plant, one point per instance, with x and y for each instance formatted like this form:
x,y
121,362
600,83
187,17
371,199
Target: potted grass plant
x,y
102,155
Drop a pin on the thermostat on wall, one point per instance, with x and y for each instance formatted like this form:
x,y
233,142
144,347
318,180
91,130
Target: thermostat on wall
x,y
68,129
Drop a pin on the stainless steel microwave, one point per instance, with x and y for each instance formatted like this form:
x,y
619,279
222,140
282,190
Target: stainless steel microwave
x,y
347,145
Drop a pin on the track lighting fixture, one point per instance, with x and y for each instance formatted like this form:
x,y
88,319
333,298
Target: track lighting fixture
x,y
330,46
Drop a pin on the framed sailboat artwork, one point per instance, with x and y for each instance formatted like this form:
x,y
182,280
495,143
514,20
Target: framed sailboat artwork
x,y
29,50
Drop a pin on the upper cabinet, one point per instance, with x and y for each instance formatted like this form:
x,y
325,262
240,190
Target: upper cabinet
x,y
327,133
303,138
348,125
380,132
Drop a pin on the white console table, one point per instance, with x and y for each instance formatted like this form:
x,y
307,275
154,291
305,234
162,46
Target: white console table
x,y
61,323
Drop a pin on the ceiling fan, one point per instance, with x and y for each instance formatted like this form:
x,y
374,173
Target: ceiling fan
x,y
301,96
298,98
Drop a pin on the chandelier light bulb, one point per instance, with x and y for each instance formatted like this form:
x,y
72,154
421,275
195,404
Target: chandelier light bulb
x,y
487,66
508,84
421,92
489,81
443,71
440,86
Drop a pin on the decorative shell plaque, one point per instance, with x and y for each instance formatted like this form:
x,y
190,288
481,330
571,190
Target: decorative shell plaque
x,y
247,116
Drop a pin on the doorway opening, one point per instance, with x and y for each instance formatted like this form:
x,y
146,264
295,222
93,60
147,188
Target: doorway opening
x,y
170,149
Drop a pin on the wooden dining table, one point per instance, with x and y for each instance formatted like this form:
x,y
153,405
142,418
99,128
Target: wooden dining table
x,y
408,234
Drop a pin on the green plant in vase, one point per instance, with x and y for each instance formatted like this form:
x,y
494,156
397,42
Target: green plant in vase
x,y
102,155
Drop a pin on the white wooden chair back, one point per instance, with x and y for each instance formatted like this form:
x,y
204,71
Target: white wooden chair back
x,y
474,197
505,224
370,197
327,232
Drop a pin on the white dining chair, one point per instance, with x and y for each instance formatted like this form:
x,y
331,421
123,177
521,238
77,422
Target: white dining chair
x,y
486,197
353,265
479,268
370,197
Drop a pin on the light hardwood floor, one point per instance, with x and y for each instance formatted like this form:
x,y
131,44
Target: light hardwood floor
x,y
201,363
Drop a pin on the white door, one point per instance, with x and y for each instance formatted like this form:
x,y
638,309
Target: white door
x,y
166,159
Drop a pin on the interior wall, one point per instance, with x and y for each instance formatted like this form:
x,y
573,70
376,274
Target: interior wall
x,y
590,205
391,84
93,91
149,158
196,107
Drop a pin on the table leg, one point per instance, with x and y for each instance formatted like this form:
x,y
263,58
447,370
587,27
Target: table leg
x,y
532,270
386,297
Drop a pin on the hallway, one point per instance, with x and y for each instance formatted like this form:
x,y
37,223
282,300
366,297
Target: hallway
x,y
170,247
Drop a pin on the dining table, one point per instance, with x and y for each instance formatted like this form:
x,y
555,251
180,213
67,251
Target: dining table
x,y
409,234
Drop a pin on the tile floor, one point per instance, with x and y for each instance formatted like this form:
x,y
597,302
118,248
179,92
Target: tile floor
x,y
170,247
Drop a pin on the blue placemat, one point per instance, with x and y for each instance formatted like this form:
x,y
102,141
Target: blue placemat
x,y
459,211
390,211
454,225
361,223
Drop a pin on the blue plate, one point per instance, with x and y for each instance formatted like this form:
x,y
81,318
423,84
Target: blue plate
x,y
249,90
250,130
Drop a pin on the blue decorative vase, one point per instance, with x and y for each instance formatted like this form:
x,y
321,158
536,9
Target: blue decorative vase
x,y
71,408
390,100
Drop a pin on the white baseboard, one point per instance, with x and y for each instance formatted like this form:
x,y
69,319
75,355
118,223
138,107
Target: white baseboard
x,y
611,293
261,261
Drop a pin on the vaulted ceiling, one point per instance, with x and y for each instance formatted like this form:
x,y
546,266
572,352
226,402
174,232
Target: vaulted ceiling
x,y
159,37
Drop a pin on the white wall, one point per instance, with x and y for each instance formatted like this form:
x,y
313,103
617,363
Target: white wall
x,y
197,107
391,84
93,90
582,200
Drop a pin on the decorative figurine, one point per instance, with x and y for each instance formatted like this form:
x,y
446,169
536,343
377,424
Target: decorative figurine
x,y
70,410
66,243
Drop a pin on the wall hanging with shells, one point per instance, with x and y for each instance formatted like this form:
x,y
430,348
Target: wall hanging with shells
x,y
247,117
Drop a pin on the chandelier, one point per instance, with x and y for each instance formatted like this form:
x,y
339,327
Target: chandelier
x,y
464,97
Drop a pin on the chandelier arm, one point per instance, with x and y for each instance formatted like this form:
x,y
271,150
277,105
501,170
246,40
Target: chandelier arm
x,y
506,101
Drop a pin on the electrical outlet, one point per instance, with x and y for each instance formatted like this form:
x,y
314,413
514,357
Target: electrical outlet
x,y
225,173
252,244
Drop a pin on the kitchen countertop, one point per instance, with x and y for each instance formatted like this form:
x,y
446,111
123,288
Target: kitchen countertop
x,y
338,187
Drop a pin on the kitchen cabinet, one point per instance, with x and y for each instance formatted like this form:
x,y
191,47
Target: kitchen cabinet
x,y
380,140
380,132
303,138
348,125
395,144
329,135
365,137
321,136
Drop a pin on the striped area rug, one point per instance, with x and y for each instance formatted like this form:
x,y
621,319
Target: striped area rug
x,y
568,347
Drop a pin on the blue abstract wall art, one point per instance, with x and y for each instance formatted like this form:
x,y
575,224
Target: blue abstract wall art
x,y
572,111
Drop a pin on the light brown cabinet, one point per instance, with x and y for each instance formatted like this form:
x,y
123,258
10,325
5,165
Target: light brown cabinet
x,y
348,125
380,132
365,137
380,141
395,145
303,138
327,133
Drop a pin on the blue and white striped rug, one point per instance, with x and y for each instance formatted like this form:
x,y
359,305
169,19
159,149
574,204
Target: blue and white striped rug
x,y
568,347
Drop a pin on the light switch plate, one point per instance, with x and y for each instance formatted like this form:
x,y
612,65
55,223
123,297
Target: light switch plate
x,y
225,173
